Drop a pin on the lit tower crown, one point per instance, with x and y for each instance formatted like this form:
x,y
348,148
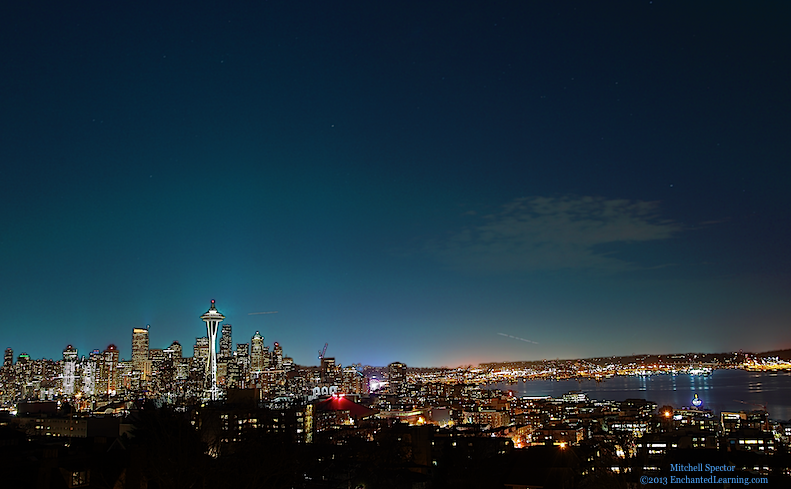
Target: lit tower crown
x,y
212,318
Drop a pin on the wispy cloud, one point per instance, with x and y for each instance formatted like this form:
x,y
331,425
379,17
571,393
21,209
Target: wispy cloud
x,y
518,338
541,233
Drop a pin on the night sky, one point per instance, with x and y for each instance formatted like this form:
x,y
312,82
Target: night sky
x,y
437,183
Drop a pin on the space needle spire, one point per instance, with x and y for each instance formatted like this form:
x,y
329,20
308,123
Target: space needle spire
x,y
212,318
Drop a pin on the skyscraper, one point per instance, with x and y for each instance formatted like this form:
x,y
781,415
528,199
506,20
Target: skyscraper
x,y
107,380
140,360
242,355
257,352
9,357
174,367
174,350
212,318
352,380
267,359
90,373
396,375
226,344
277,356
328,370
200,351
69,370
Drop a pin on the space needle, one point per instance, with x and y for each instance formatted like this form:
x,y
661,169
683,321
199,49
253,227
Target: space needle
x,y
212,318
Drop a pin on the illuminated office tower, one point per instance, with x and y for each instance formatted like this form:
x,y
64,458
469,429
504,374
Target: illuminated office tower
x,y
90,373
156,358
87,377
212,318
140,360
69,370
226,345
200,357
277,356
396,376
200,351
8,360
327,370
257,353
242,355
107,380
128,377
174,350
267,359
111,360
225,357
352,380
233,374
180,364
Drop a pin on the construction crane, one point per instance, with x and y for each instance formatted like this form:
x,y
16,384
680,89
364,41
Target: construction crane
x,y
323,351
762,406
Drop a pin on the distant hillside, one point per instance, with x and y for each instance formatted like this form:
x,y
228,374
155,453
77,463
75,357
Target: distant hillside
x,y
782,354
724,358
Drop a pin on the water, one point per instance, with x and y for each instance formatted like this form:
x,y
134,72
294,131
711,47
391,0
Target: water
x,y
721,391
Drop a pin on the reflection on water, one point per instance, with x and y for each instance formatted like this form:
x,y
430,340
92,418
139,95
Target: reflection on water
x,y
723,390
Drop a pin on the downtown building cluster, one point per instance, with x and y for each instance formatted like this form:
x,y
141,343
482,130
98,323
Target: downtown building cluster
x,y
103,378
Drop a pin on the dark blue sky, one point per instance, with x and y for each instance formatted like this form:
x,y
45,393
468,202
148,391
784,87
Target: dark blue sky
x,y
438,183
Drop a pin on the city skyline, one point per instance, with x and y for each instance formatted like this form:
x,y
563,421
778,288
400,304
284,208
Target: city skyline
x,y
442,184
141,351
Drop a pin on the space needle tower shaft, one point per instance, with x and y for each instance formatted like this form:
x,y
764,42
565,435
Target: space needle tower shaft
x,y
212,318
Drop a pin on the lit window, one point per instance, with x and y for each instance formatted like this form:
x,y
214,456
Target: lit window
x,y
79,478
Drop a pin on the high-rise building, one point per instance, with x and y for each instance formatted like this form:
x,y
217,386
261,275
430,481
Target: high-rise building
x,y
69,370
174,350
226,344
157,355
70,354
8,360
200,351
353,381
107,380
140,356
212,318
396,376
257,353
328,370
128,377
90,373
182,368
277,356
242,356
267,362
87,377
233,374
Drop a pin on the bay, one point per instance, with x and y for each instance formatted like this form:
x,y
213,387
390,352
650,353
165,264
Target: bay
x,y
722,390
